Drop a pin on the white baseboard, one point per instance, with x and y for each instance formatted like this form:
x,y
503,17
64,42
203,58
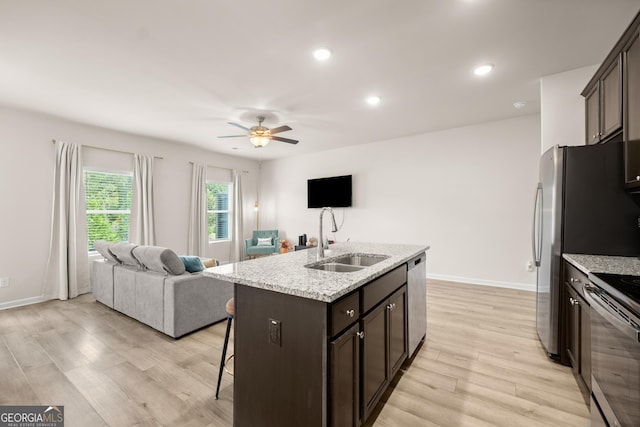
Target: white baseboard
x,y
21,302
510,285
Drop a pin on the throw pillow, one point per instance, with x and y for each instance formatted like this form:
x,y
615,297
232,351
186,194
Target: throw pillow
x,y
264,242
124,253
193,264
159,259
209,262
103,249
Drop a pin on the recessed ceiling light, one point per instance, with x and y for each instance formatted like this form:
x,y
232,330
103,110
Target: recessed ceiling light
x,y
483,69
322,54
373,100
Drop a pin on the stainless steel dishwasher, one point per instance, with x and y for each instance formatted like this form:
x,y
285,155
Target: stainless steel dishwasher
x,y
417,301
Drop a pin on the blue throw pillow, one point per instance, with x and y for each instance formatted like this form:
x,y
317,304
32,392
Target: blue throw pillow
x,y
193,264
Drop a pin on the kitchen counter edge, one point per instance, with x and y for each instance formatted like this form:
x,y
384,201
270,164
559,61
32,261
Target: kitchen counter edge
x,y
287,274
604,264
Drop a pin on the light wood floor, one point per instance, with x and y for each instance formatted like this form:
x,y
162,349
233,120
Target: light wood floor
x,y
481,365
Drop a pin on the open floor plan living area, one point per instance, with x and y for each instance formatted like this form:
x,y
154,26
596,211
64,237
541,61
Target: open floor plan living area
x,y
336,214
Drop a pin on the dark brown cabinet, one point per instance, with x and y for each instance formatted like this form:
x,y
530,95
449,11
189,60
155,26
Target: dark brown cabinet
x,y
612,102
578,328
631,58
344,379
375,372
384,347
603,102
573,326
304,362
398,343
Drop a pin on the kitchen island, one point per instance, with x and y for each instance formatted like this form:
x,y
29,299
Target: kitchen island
x,y
315,347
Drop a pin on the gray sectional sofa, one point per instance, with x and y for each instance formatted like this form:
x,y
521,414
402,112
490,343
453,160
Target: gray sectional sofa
x,y
151,285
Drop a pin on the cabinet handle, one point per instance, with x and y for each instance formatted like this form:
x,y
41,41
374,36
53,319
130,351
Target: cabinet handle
x,y
574,280
573,301
350,313
391,306
360,335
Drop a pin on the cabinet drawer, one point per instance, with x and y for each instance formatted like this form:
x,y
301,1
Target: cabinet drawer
x,y
344,312
382,287
575,278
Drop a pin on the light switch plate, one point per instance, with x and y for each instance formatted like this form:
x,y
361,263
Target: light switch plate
x,y
4,282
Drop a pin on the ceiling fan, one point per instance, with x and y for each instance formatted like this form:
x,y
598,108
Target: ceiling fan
x,y
260,135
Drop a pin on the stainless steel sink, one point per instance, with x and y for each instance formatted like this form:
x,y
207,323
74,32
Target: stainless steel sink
x,y
348,263
336,267
360,260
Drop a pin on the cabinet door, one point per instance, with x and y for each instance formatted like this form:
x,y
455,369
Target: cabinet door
x,y
573,327
397,308
632,108
592,106
344,380
374,357
611,100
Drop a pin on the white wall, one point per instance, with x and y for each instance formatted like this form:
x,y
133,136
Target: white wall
x,y
467,192
562,108
26,169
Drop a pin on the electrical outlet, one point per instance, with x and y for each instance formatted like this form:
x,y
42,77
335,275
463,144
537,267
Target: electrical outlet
x,y
4,282
274,332
530,266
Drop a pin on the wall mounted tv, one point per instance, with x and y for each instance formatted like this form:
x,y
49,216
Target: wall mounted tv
x,y
334,192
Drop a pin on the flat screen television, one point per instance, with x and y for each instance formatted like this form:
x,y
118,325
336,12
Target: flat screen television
x,y
333,192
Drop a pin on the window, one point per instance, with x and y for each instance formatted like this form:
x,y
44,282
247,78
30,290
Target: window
x,y
218,209
108,203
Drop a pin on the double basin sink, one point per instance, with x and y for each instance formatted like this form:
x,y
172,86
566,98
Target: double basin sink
x,y
348,263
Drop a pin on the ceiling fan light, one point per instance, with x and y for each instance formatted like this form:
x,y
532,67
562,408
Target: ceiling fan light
x,y
259,141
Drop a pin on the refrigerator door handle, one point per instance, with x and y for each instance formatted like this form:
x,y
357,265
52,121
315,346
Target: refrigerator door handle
x,y
536,246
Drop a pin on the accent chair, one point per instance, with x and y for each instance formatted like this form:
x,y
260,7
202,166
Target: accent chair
x,y
262,242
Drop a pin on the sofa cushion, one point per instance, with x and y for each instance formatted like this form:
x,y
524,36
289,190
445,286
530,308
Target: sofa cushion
x,y
193,264
103,249
123,252
159,259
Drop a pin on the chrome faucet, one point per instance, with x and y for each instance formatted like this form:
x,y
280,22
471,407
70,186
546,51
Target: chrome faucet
x,y
322,245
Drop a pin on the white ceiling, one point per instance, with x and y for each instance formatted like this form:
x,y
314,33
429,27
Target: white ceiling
x,y
180,70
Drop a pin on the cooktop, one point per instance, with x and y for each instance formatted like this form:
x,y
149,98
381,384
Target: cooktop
x,y
624,288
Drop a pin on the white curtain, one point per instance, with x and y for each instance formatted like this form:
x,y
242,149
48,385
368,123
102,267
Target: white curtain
x,y
67,273
198,226
237,242
144,232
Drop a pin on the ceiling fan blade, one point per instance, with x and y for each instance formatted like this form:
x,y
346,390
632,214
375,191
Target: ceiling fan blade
x,y
233,136
279,129
239,125
287,140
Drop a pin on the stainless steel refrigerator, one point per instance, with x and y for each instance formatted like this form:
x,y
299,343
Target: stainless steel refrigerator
x,y
581,208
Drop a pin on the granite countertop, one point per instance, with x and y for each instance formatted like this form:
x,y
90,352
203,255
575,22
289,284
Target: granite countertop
x,y
286,273
605,264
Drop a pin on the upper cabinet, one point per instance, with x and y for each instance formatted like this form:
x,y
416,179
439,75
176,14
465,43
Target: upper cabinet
x,y
612,102
631,57
603,102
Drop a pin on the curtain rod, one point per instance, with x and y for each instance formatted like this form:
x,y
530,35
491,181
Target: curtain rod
x,y
220,167
110,149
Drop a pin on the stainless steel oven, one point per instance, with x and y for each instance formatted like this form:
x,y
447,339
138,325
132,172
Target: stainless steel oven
x,y
615,351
